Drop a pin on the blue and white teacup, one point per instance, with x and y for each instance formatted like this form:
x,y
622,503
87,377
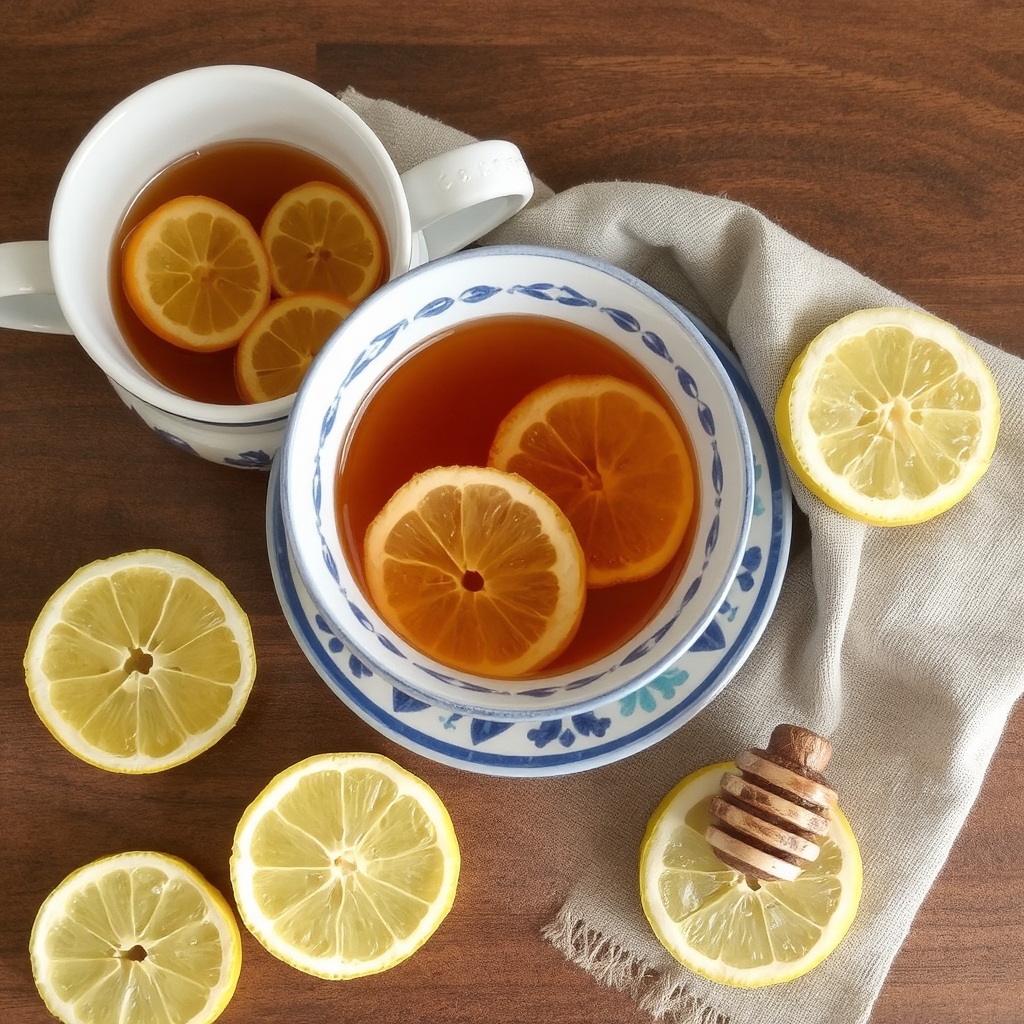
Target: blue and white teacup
x,y
504,281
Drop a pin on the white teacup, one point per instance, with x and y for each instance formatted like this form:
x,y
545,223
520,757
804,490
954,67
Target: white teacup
x,y
62,285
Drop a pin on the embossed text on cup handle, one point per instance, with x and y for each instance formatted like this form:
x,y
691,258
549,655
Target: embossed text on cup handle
x,y
27,299
458,196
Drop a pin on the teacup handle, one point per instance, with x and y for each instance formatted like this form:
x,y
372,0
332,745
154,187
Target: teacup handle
x,y
458,196
27,299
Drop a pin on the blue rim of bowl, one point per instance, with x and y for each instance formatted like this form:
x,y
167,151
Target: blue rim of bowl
x,y
314,642
567,682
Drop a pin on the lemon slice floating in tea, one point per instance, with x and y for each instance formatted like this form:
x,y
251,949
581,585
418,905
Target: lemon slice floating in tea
x,y
478,569
614,462
729,928
279,348
196,273
132,937
889,416
140,662
345,865
320,239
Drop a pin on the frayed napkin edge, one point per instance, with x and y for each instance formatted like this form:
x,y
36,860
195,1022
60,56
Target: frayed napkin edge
x,y
662,995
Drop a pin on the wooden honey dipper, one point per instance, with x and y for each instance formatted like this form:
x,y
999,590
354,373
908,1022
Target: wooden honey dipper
x,y
766,818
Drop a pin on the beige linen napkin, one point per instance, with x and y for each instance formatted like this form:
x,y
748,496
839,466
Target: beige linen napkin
x,y
904,646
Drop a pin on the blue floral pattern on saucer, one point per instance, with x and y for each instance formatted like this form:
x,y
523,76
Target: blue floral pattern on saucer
x,y
600,736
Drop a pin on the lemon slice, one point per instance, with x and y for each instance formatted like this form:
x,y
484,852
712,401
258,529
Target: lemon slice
x,y
889,416
729,928
196,273
137,937
344,865
612,459
273,356
477,568
320,239
140,662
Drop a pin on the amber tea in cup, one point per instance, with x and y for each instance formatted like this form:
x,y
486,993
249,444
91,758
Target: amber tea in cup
x,y
442,405
249,176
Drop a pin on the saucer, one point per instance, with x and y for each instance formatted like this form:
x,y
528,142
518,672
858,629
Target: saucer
x,y
598,737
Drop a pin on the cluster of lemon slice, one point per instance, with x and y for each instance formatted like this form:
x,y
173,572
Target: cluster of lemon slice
x,y
343,866
589,483
890,417
200,277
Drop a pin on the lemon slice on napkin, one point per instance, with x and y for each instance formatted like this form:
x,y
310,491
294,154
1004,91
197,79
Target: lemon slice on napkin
x,y
731,928
889,416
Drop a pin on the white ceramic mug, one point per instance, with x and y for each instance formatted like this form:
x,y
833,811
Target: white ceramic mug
x,y
62,285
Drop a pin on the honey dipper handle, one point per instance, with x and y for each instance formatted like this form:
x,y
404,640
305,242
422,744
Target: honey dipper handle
x,y
798,746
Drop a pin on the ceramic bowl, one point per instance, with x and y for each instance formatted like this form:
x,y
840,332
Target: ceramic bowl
x,y
504,281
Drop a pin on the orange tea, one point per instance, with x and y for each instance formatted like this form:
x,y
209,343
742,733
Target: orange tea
x,y
249,176
442,405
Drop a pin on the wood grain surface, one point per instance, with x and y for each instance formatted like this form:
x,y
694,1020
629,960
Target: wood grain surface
x,y
888,135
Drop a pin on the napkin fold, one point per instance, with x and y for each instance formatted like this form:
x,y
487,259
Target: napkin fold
x,y
902,645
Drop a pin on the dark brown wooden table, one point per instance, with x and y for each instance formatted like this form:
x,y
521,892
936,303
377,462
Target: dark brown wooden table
x,y
889,135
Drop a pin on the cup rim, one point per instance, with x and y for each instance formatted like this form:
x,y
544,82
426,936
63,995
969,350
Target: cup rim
x,y
466,701
141,385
